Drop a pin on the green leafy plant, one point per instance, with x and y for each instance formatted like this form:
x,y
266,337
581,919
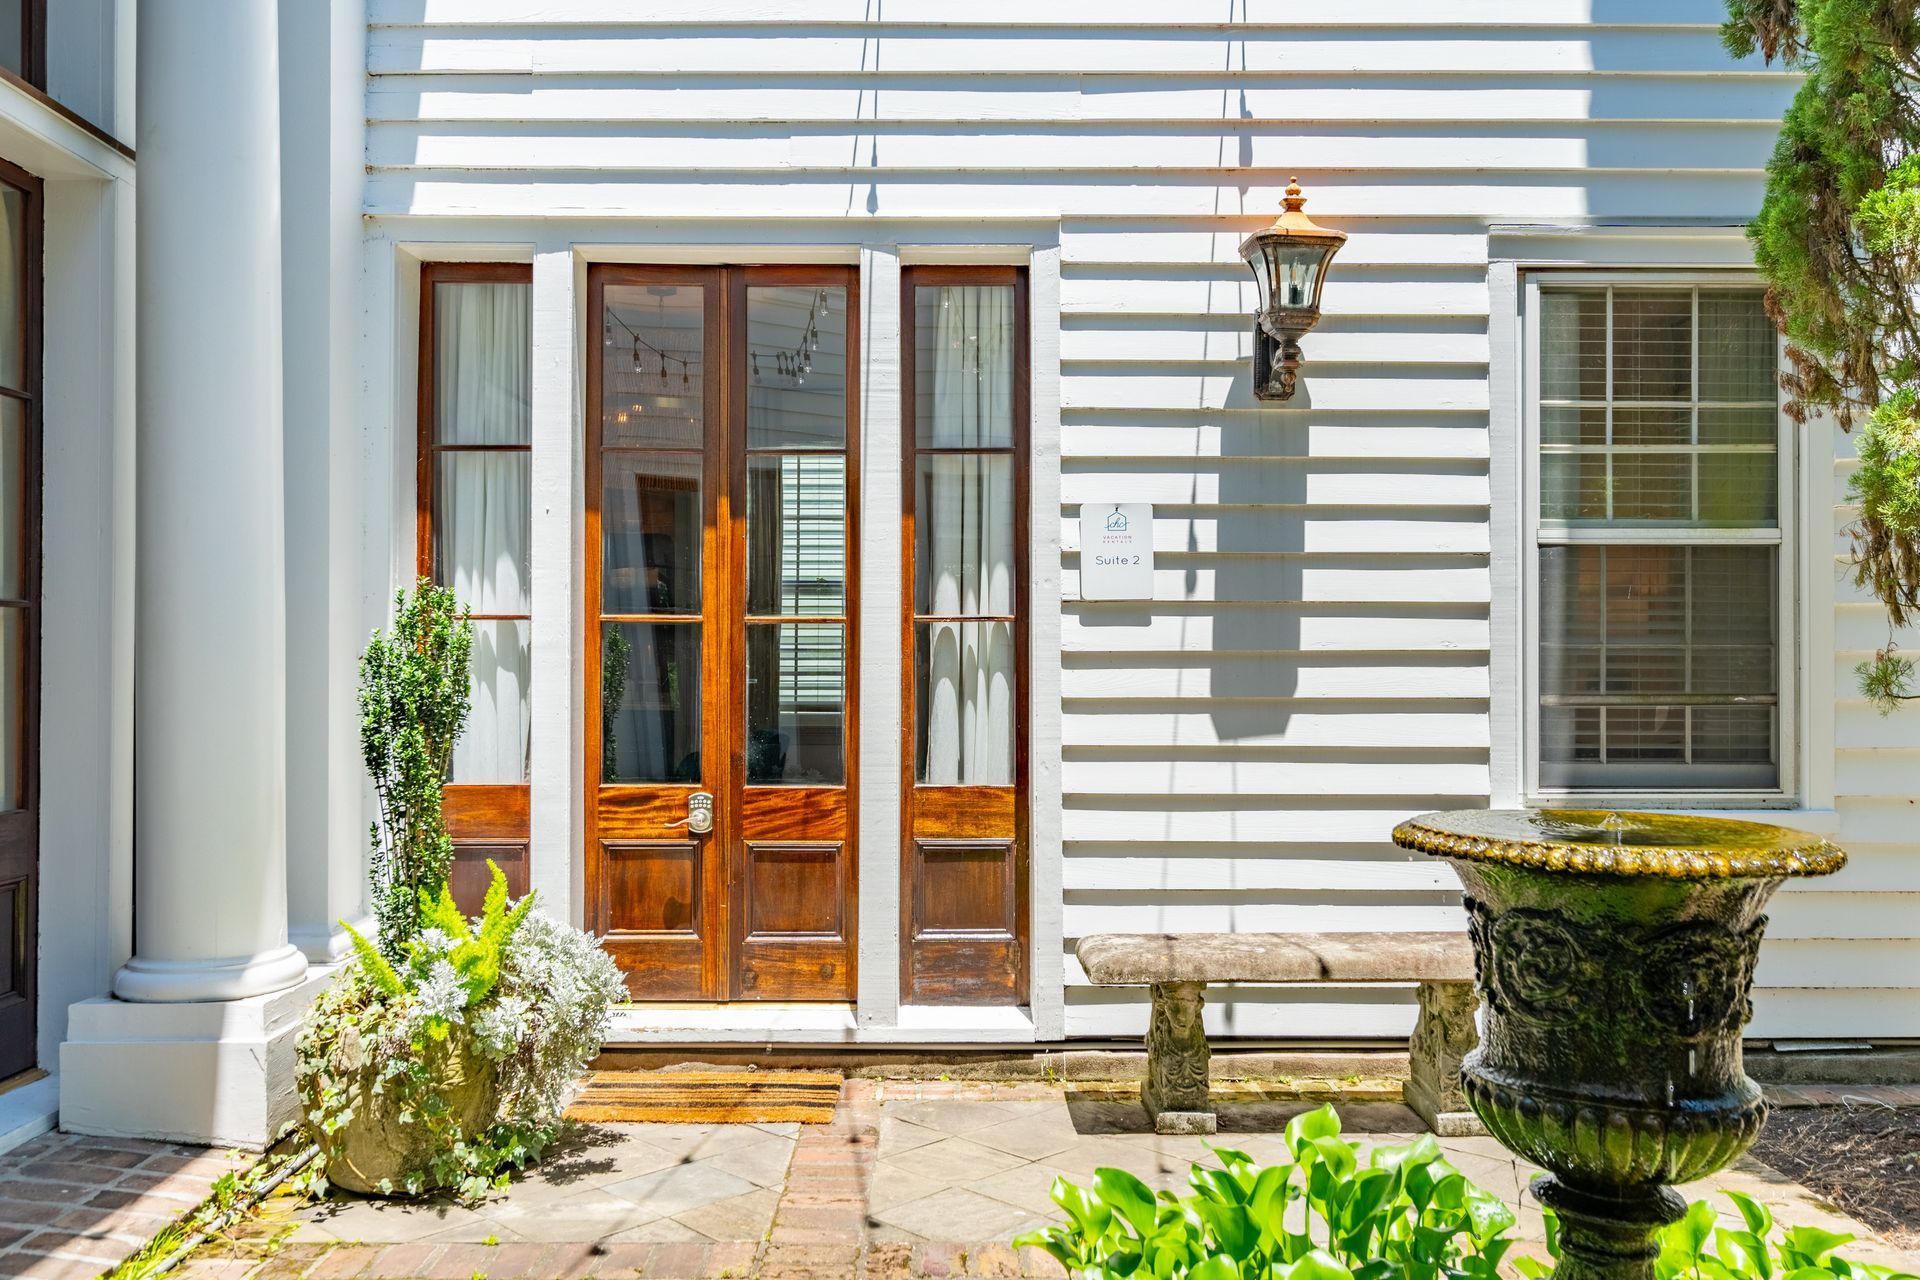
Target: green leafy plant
x,y
530,996
1838,239
414,699
1334,1212
1400,1212
1698,1248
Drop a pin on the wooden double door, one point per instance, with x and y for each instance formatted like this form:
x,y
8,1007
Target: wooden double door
x,y
719,656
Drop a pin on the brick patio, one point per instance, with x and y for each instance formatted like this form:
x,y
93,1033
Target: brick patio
x,y
910,1180
74,1206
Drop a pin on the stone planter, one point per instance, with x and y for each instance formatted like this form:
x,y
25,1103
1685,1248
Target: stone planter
x,y
1615,955
374,1145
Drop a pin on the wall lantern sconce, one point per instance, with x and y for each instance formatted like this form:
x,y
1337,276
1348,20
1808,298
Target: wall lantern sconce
x,y
1290,260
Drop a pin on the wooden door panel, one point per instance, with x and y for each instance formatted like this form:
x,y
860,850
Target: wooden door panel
x,y
966,914
469,877
682,412
655,888
794,895
793,890
655,918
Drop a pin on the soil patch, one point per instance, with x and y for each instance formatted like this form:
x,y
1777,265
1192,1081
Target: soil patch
x,y
1862,1158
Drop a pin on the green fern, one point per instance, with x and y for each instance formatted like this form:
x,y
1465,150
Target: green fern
x,y
476,954
382,974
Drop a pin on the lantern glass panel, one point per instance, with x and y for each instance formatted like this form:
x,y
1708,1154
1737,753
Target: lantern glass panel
x,y
1296,274
1262,275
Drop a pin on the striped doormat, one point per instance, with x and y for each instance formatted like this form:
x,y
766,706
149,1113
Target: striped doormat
x,y
707,1097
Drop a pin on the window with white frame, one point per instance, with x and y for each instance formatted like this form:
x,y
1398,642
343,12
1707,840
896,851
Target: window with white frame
x,y
1658,585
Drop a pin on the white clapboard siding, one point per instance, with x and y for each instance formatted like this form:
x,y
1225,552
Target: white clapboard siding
x,y
524,146
1251,579
1202,530
1227,343
848,49
1274,722
1268,482
1211,676
1493,102
1089,627
771,15
1339,389
699,193
1315,664
1178,771
1122,433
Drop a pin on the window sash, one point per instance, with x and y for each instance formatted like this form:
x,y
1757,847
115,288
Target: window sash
x,y
1641,785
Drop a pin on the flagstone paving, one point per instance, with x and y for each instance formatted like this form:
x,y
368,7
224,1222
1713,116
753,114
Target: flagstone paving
x,y
910,1180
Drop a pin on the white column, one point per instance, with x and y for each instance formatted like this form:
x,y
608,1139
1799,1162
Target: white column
x,y
878,1002
557,868
323,132
210,910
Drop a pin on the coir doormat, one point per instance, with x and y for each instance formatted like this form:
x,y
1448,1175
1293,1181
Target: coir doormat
x,y
707,1097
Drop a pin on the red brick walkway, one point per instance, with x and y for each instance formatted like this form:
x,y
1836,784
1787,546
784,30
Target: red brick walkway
x,y
75,1206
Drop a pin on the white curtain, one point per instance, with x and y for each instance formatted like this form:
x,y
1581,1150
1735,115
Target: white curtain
x,y
966,546
972,367
483,509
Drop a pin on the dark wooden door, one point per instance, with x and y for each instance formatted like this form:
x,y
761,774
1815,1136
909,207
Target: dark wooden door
x,y
19,615
719,542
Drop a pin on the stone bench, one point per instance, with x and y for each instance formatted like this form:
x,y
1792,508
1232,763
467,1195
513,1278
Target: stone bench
x,y
1178,967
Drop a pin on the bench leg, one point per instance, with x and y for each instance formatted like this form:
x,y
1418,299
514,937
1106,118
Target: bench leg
x,y
1175,1093
1443,1036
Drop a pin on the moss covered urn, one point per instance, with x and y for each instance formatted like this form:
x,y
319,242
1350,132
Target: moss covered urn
x,y
1615,955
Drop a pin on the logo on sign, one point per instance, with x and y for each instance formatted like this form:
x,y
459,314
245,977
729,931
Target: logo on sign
x,y
1117,522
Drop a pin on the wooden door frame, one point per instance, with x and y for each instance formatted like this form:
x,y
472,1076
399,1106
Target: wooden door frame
x,y
22,825
486,819
723,613
952,815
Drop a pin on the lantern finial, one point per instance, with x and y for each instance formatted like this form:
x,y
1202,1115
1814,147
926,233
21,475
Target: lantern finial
x,y
1294,201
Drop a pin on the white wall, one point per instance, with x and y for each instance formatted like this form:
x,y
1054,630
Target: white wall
x,y
85,924
1316,665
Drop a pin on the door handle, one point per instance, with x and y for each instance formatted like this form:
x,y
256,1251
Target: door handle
x,y
699,819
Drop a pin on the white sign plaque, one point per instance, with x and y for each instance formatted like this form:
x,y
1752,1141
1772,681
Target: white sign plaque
x,y
1116,551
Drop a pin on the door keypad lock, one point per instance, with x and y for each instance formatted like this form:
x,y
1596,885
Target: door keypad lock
x,y
699,819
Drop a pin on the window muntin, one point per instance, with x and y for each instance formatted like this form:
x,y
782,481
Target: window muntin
x,y
479,460
1658,539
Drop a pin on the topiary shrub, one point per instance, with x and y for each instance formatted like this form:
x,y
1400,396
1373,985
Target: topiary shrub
x,y
414,698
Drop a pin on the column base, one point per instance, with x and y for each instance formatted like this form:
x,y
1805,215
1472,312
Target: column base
x,y
331,945
215,1073
191,981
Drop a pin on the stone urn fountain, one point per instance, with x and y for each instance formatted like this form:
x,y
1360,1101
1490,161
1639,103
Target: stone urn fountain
x,y
1615,953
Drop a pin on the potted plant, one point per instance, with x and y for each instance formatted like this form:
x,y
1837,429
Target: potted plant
x,y
442,1054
